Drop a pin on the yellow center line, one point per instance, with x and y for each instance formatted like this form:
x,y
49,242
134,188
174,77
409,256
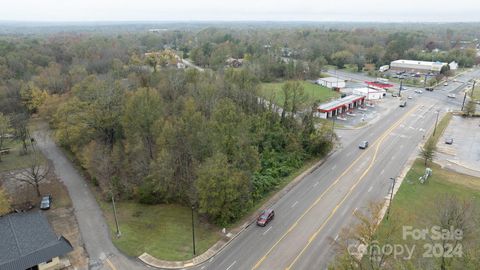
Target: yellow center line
x,y
325,192
352,188
111,264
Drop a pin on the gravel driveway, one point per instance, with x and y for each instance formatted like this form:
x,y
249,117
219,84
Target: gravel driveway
x,y
103,254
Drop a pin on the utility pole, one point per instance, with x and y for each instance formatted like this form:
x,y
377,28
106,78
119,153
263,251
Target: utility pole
x,y
464,97
436,122
333,129
391,196
193,232
473,87
400,89
115,215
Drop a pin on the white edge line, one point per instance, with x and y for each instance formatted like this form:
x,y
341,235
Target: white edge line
x,y
265,232
231,265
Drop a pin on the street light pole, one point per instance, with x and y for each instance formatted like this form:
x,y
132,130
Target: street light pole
x,y
391,196
436,122
193,232
115,215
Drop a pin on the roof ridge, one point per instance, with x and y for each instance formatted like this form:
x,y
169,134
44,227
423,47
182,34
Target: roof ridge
x,y
9,217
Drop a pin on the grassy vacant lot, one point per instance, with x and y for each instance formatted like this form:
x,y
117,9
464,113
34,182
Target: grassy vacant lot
x,y
163,231
14,160
417,205
314,92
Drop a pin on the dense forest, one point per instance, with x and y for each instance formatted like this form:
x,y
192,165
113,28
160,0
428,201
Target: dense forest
x,y
148,131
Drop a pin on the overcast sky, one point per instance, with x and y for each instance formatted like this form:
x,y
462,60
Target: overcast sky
x,y
234,10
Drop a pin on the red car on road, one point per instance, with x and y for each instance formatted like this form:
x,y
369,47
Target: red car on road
x,y
265,217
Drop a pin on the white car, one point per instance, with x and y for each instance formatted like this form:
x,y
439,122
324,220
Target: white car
x,y
445,84
451,96
410,97
418,91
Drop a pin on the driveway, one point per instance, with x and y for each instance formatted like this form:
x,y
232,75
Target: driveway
x,y
93,228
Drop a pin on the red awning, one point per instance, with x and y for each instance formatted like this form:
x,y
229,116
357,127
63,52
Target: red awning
x,y
380,85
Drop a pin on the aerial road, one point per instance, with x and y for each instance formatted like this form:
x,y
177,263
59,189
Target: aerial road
x,y
313,213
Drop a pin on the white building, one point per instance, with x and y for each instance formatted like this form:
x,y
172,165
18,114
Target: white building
x,y
453,65
331,82
416,66
369,93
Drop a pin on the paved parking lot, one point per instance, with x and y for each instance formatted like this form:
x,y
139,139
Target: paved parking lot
x,y
371,113
464,154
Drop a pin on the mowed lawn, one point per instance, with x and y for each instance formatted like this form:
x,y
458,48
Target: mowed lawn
x,y
163,231
315,92
417,205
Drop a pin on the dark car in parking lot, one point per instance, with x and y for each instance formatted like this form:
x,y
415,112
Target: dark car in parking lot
x,y
46,202
265,217
363,145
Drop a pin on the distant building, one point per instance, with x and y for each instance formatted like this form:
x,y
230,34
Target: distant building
x,y
453,65
331,82
234,62
369,93
414,66
339,106
28,242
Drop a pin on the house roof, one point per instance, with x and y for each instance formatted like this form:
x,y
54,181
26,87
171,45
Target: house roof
x,y
28,240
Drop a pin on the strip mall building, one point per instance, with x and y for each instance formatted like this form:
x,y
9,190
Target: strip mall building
x,y
340,106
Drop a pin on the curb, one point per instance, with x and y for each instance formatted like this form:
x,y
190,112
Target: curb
x,y
222,244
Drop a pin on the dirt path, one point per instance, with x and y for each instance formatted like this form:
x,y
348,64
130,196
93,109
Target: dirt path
x,y
93,228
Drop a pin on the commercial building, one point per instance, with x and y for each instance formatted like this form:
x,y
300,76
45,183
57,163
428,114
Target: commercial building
x,y
416,66
369,93
339,106
331,82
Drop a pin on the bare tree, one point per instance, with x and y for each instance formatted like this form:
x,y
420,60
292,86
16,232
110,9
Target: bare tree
x,y
455,213
36,171
356,245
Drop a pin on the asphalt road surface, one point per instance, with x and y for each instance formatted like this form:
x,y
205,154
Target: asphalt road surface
x,y
313,213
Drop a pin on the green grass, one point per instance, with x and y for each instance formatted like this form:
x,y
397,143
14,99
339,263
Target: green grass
x,y
476,91
419,199
416,204
314,92
163,231
15,159
442,125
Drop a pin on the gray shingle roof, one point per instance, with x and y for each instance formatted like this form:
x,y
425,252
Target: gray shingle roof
x,y
27,240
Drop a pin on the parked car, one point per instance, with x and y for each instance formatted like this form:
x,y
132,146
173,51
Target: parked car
x,y
46,202
410,97
394,95
363,145
449,141
429,88
451,96
445,84
403,103
418,91
265,217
